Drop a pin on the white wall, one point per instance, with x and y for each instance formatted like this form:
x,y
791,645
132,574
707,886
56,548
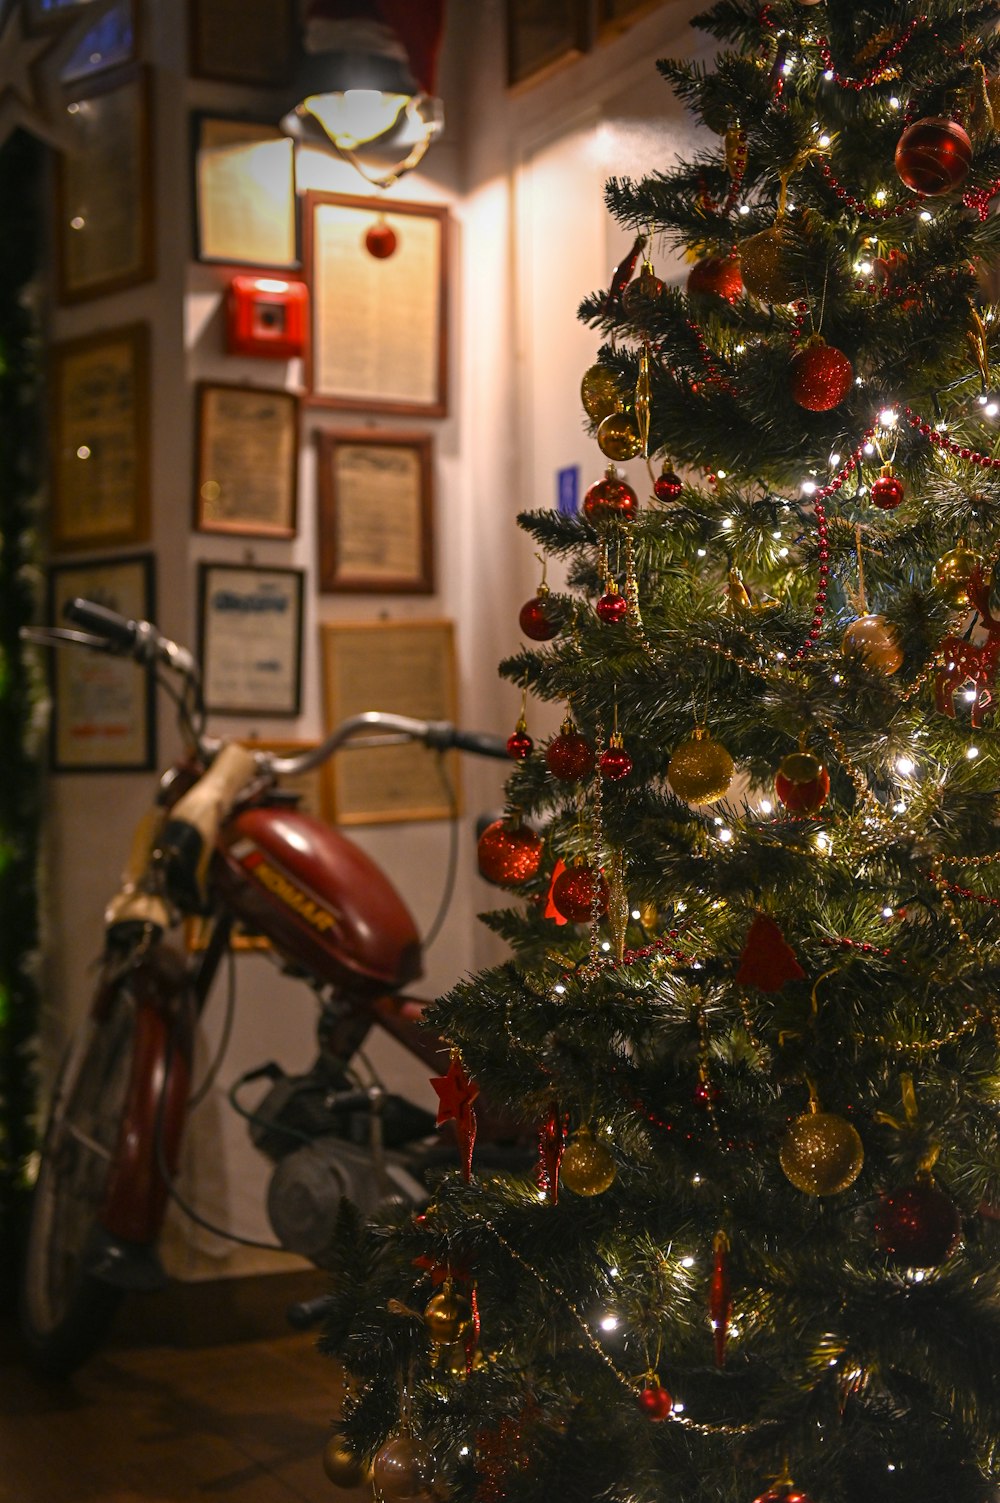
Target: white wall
x,y
522,173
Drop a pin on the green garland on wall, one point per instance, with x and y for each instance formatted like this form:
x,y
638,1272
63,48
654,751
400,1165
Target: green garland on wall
x,y
21,175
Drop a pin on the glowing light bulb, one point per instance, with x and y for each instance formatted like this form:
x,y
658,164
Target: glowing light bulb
x,y
609,1323
926,216
808,487
701,552
725,836
887,912
766,807
559,990
824,139
636,914
834,461
687,1262
894,103
869,448
905,765
887,418
972,752
727,523
991,409
782,552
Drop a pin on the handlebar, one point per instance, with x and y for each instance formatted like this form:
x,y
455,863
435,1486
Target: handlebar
x,y
389,730
137,639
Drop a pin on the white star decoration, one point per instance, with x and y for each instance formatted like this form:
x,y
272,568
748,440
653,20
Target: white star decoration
x,y
31,95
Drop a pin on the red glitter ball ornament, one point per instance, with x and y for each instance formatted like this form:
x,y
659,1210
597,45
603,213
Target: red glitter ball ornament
x,y
917,1226
654,1400
615,761
535,620
668,485
933,156
509,853
717,276
381,241
802,783
519,746
821,376
573,894
887,492
610,499
781,1494
569,756
612,608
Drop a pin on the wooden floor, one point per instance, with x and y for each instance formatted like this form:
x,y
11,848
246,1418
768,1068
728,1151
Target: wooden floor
x,y
242,1422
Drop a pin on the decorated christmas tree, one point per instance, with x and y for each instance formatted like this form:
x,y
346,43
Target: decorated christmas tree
x,y
751,1012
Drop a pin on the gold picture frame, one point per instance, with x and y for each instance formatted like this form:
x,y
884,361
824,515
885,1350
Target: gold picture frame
x,y
246,460
544,35
407,668
376,512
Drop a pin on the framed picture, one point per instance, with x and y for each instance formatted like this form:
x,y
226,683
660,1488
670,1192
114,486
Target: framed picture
x,y
99,482
543,35
103,707
376,511
111,42
250,639
234,42
407,667
104,190
245,211
247,461
379,307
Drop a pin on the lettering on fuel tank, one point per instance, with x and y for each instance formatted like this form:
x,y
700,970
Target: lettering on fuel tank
x,y
305,906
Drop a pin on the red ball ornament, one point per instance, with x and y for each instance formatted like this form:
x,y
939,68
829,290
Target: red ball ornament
x,y
573,894
887,492
668,485
933,156
535,620
654,1400
519,746
615,761
821,376
610,499
802,783
781,1494
717,276
509,853
612,608
569,756
917,1226
381,241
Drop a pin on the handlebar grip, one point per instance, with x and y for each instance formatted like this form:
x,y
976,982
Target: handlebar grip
x,y
480,743
117,631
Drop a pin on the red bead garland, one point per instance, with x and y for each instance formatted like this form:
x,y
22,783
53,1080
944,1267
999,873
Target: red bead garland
x,y
819,609
857,204
941,441
874,74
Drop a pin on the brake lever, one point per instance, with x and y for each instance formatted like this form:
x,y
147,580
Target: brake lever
x,y
64,636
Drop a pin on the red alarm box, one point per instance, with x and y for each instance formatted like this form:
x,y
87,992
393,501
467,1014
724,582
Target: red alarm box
x,y
266,316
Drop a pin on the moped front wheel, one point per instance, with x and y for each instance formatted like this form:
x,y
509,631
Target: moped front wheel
x,y
66,1309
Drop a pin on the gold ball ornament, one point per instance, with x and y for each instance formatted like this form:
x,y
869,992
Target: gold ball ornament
x,y
764,266
447,1316
588,1166
618,437
700,770
951,575
873,640
341,1466
402,1469
821,1153
600,393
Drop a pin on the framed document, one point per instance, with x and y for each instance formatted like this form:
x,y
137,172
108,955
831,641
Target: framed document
x,y
109,43
407,667
250,639
614,15
379,321
240,43
375,513
103,707
244,183
247,461
100,439
544,34
104,194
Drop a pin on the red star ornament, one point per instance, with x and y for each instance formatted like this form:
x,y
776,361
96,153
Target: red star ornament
x,y
456,1094
767,961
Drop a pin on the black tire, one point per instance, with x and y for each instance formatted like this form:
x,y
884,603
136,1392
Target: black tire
x,y
65,1310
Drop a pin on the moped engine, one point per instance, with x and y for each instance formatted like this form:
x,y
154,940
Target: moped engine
x,y
308,1185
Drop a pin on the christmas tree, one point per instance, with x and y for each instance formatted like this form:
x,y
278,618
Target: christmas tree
x,y
751,1011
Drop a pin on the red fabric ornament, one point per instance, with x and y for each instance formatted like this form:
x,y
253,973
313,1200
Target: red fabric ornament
x,y
767,961
615,764
535,620
887,492
802,783
573,894
654,1400
456,1094
551,911
717,276
569,756
612,608
933,156
381,241
509,853
622,274
668,485
917,1226
821,376
720,1302
551,1145
519,746
610,499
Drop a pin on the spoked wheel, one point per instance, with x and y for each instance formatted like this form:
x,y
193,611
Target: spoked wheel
x,y
65,1308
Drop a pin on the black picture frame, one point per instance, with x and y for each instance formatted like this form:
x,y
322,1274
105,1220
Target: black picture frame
x,y
232,626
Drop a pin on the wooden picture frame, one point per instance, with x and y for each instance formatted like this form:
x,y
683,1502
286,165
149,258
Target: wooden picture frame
x,y
245,209
104,195
111,42
103,706
543,35
246,460
378,338
250,639
376,513
406,667
616,15
99,483
233,42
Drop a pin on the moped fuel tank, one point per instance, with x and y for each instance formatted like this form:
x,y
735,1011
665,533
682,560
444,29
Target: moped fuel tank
x,y
323,903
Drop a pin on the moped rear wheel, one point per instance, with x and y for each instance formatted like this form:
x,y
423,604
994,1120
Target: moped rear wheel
x,y
65,1309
